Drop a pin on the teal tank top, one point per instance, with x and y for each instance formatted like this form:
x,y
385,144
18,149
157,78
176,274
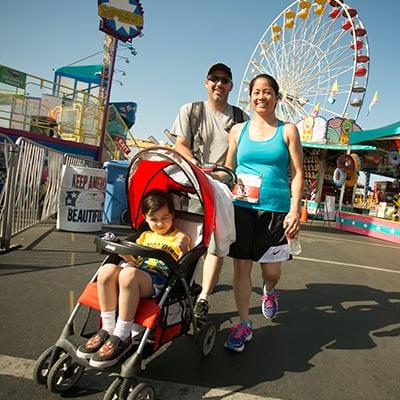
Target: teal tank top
x,y
269,159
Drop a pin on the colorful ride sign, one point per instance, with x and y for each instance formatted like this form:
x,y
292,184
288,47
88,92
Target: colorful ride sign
x,y
122,19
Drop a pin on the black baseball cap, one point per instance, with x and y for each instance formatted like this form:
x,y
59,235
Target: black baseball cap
x,y
220,67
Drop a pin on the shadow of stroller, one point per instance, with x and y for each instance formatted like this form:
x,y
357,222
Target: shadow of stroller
x,y
319,317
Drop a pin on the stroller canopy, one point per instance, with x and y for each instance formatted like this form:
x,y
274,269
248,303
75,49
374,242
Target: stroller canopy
x,y
165,169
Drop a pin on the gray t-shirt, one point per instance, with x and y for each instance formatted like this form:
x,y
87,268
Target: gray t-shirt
x,y
214,128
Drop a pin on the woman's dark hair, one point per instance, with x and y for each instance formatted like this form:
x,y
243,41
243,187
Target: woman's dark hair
x,y
156,199
269,78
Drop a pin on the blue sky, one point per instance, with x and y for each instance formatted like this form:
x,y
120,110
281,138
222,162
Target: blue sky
x,y
181,40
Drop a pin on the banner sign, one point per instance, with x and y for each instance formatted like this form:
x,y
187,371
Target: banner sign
x,y
123,20
115,123
127,110
339,129
12,77
122,145
121,116
81,200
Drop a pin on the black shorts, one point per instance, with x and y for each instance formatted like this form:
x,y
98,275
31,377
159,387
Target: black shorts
x,y
259,236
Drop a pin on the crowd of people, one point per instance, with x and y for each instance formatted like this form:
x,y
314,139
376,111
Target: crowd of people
x,y
266,155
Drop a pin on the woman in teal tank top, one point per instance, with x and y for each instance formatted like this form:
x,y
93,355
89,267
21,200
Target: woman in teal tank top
x,y
269,159
261,151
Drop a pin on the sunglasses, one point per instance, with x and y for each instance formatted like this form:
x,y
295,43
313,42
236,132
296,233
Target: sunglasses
x,y
215,79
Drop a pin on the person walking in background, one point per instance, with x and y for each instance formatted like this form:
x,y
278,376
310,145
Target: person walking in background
x,y
261,151
202,130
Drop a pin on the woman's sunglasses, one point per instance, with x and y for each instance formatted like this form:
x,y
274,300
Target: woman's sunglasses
x,y
215,79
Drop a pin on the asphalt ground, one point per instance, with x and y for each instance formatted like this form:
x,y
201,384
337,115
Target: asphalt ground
x,y
336,336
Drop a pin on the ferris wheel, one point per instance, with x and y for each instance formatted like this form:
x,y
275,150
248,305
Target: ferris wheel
x,y
318,52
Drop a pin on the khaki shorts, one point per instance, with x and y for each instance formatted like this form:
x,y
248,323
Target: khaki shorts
x,y
214,249
220,250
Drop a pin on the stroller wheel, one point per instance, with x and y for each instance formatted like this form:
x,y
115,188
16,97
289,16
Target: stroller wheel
x,y
207,335
119,389
42,365
64,374
142,392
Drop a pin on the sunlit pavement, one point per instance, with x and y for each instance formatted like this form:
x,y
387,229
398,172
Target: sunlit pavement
x,y
336,336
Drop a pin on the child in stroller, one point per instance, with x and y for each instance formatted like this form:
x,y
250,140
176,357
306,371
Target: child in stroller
x,y
163,318
133,279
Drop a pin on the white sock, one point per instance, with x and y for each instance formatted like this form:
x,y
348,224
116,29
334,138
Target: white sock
x,y
108,321
202,296
123,329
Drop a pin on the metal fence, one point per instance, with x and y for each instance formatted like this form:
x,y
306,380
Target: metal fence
x,y
30,181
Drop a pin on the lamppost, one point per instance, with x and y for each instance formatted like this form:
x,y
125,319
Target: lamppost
x,y
119,24
110,52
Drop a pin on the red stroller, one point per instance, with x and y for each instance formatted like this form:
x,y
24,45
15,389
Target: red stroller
x,y
164,318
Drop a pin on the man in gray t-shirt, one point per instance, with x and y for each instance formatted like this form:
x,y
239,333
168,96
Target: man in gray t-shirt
x,y
214,127
208,144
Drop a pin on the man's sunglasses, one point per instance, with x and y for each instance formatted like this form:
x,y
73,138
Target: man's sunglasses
x,y
215,79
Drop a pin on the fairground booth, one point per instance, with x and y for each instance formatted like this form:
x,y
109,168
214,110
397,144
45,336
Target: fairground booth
x,y
331,163
375,209
319,53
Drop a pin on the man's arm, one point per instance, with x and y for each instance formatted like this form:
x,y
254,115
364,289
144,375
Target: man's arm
x,y
232,147
182,146
181,129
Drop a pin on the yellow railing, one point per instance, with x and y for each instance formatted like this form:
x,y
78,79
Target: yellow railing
x,y
51,109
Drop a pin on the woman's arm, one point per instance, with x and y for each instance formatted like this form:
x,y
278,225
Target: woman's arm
x,y
292,137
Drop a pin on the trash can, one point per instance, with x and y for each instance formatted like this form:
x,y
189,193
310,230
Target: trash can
x,y
115,202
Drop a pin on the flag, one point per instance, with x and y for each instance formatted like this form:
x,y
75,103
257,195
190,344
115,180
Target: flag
x,y
334,90
71,197
315,110
374,100
127,110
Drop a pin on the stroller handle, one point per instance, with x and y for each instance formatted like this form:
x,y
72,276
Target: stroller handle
x,y
126,247
209,168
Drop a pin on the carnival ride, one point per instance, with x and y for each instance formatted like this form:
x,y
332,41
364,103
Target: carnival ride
x,y
64,114
318,52
74,111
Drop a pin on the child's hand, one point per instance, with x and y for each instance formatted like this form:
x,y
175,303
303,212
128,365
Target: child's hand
x,y
182,241
128,258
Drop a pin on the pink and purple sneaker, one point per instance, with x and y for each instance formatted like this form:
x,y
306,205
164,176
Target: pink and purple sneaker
x,y
239,335
269,305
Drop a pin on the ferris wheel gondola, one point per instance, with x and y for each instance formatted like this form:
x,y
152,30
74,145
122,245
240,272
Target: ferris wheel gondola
x,y
318,51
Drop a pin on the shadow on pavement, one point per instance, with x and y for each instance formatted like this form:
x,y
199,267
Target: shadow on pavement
x,y
322,316
15,269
